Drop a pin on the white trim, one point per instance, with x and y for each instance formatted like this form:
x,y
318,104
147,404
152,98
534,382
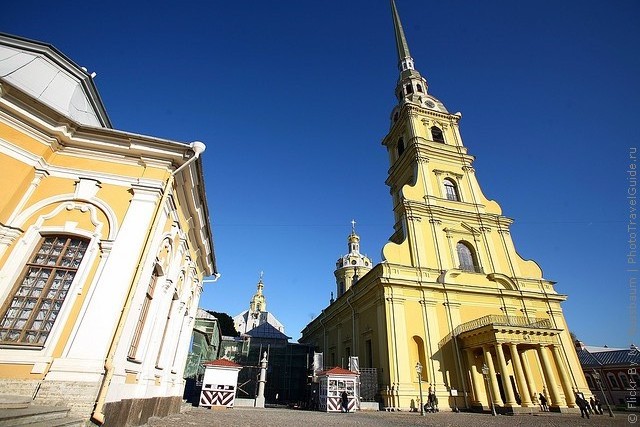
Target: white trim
x,y
16,262
68,201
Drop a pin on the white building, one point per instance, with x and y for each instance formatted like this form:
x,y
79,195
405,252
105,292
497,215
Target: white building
x,y
257,314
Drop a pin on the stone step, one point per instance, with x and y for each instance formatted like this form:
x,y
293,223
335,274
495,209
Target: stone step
x,y
32,414
8,401
62,422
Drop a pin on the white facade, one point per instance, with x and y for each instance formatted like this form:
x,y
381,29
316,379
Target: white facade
x,y
257,314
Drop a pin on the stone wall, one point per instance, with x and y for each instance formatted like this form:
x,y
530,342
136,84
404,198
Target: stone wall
x,y
16,387
135,412
78,396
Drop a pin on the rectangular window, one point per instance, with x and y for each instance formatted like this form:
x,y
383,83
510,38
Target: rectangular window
x,y
29,314
137,334
166,328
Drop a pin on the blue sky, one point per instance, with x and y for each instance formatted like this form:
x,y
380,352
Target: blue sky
x,y
293,98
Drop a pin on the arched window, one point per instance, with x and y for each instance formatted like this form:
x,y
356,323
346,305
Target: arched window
x,y
450,190
624,380
408,89
420,356
612,380
419,87
436,134
589,382
467,257
400,147
36,299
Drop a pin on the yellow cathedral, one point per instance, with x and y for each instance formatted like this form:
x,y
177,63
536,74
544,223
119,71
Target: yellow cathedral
x,y
452,309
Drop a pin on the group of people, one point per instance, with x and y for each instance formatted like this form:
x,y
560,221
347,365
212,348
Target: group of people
x,y
586,407
432,402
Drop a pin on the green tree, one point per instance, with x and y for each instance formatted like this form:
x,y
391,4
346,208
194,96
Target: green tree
x,y
226,324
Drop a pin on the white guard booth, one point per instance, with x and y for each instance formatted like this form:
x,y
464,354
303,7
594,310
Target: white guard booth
x,y
219,383
332,383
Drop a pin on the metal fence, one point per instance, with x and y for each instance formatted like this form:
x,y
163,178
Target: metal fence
x,y
368,384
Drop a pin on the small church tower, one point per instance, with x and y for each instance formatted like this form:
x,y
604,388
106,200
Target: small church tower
x,y
257,313
353,265
258,302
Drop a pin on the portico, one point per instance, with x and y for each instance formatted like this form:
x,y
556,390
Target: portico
x,y
524,359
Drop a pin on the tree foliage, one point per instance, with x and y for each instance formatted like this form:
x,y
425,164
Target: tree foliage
x,y
226,324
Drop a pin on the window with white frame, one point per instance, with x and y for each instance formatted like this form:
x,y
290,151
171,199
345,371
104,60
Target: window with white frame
x,y
467,257
30,311
451,190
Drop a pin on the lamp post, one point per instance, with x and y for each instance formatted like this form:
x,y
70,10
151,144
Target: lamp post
x,y
419,371
485,374
596,375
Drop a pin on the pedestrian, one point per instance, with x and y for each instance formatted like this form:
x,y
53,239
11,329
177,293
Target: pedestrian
x,y
583,405
345,402
592,403
599,406
543,403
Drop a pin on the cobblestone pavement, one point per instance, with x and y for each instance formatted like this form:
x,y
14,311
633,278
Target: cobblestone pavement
x,y
279,417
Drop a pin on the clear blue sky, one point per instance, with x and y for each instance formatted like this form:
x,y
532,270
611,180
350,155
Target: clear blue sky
x,y
293,98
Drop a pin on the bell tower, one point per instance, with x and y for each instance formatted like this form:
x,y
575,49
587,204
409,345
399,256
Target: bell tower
x,y
442,219
258,302
353,265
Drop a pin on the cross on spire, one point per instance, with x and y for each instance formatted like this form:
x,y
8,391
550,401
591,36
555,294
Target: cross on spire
x,y
353,225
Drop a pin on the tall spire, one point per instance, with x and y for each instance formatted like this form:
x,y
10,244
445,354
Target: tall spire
x,y
354,239
258,302
411,87
405,61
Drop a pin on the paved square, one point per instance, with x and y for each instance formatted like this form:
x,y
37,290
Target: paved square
x,y
279,417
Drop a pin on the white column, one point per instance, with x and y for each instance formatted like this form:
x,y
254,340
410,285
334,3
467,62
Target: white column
x,y
261,382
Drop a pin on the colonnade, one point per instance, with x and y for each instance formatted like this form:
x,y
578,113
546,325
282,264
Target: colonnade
x,y
524,377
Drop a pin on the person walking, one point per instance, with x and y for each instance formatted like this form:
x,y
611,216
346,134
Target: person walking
x,y
543,403
599,406
592,403
583,405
